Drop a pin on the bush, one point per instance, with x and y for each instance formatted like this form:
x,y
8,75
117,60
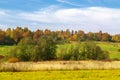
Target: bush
x,y
28,50
44,50
13,60
118,50
23,51
116,59
84,51
70,53
92,51
1,57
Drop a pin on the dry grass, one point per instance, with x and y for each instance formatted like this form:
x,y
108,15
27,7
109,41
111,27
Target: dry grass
x,y
59,65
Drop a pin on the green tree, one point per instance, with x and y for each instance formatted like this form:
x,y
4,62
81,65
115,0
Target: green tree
x,y
28,50
24,50
83,51
46,48
91,51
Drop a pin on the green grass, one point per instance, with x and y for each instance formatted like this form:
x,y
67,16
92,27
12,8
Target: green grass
x,y
62,75
4,50
112,48
67,75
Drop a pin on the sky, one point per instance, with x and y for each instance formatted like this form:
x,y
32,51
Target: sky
x,y
87,15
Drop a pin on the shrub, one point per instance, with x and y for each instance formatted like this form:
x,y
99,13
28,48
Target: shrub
x,y
91,51
83,51
118,50
44,50
70,53
23,51
116,59
28,50
13,60
1,57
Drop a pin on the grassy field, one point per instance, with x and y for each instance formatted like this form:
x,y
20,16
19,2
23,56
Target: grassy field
x,y
62,75
112,48
4,50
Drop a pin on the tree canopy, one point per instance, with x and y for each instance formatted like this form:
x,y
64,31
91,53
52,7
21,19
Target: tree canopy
x,y
13,36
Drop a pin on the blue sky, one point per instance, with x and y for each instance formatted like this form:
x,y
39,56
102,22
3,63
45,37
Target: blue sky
x,y
88,15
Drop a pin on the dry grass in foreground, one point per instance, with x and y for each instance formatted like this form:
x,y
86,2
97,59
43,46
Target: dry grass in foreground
x,y
59,65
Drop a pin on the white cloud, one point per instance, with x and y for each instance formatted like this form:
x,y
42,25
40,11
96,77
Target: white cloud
x,y
88,19
3,12
74,15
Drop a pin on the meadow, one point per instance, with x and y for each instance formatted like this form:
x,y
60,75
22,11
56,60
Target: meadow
x,y
112,48
5,49
62,75
64,70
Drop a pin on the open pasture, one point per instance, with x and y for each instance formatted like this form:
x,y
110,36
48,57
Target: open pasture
x,y
4,49
112,48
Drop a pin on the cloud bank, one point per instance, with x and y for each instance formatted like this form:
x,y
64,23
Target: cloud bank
x,y
74,15
88,19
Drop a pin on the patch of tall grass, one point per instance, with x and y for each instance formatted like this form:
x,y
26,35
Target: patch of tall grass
x,y
59,65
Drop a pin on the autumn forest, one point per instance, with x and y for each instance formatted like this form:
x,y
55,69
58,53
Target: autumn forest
x,y
13,36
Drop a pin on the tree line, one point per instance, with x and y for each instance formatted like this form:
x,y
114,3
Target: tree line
x,y
13,36
41,45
